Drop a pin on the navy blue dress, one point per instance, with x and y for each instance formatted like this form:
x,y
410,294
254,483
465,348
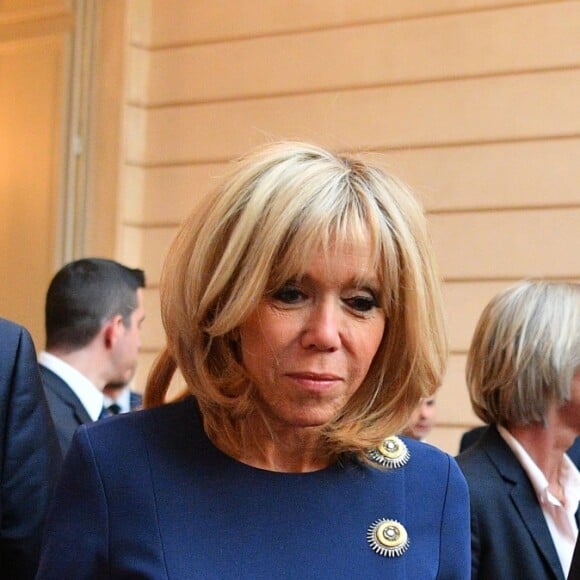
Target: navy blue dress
x,y
147,495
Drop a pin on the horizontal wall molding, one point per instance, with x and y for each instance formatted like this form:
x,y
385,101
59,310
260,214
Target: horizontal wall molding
x,y
456,47
224,21
526,107
511,176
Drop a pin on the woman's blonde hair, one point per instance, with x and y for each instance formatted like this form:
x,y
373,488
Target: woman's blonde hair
x,y
280,205
524,352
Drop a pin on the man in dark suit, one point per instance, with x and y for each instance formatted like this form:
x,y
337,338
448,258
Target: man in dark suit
x,y
30,457
524,380
94,310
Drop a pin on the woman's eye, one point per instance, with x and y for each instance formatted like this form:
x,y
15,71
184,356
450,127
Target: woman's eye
x,y
288,295
362,303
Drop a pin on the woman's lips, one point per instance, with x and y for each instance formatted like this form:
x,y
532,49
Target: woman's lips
x,y
315,381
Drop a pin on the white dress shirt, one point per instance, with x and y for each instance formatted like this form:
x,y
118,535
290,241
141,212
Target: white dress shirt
x,y
123,400
88,394
559,517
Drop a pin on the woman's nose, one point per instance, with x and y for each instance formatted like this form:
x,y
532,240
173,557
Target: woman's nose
x,y
322,330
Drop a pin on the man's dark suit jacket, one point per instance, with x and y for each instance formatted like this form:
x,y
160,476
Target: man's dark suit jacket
x,y
30,458
509,534
67,410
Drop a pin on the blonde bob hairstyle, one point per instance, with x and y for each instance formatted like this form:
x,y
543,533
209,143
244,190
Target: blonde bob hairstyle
x,y
257,231
524,353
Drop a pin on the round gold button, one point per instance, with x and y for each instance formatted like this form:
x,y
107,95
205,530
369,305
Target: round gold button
x,y
391,447
391,453
388,538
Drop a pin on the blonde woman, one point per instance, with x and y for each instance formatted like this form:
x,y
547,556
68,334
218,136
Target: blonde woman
x,y
523,373
302,308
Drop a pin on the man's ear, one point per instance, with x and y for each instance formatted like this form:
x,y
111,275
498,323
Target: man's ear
x,y
112,330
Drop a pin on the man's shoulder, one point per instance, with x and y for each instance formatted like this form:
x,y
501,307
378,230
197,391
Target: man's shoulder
x,y
12,336
62,400
18,367
9,329
52,381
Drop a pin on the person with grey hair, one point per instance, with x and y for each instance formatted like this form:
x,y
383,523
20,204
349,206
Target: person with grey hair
x,y
523,375
302,307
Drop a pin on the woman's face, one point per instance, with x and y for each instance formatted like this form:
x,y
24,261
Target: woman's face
x,y
309,346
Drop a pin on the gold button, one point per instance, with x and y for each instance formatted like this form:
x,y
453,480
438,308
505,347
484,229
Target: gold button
x,y
388,538
391,453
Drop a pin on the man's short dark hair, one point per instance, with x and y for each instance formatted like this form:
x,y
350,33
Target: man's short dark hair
x,y
83,295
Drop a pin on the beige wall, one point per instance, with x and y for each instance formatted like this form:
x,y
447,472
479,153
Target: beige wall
x,y
34,37
473,102
61,89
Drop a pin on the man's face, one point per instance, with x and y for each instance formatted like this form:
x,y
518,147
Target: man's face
x,y
126,350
